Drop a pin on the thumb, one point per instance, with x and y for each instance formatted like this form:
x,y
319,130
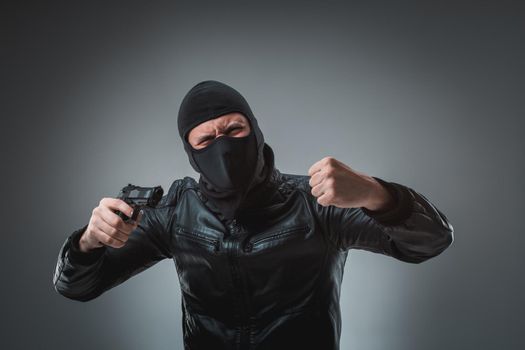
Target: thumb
x,y
139,218
141,214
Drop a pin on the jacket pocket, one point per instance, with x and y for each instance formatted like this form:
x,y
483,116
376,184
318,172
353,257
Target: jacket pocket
x,y
199,238
278,235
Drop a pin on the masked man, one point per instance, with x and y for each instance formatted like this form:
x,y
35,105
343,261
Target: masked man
x,y
259,254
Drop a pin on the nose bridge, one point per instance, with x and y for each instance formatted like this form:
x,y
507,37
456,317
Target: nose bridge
x,y
219,129
219,134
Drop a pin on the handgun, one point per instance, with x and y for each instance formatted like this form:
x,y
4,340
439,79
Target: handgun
x,y
138,197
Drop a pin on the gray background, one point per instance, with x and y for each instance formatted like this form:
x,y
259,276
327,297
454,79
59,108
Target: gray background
x,y
427,94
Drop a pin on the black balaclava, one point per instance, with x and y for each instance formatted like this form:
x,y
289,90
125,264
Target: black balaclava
x,y
234,171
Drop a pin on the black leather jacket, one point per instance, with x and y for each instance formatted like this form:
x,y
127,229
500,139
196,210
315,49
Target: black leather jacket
x,y
270,280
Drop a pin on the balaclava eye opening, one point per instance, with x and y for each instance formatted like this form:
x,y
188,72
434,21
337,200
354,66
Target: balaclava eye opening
x,y
229,167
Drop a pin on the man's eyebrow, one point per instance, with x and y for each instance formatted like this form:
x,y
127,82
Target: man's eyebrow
x,y
233,124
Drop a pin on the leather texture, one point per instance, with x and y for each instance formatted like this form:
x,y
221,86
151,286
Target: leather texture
x,y
269,279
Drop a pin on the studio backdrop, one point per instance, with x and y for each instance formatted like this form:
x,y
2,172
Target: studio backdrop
x,y
428,94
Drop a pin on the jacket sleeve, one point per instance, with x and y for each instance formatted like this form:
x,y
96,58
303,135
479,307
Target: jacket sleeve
x,y
413,230
84,276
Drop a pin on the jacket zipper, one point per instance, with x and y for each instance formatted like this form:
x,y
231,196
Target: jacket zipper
x,y
277,235
242,302
214,243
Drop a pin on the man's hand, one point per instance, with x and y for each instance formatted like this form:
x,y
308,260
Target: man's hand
x,y
334,183
107,228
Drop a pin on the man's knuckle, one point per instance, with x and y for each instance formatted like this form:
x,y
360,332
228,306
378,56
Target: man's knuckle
x,y
114,221
105,239
95,220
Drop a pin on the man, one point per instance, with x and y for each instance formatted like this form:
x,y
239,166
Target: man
x,y
259,254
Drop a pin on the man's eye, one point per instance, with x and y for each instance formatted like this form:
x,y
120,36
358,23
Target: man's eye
x,y
206,140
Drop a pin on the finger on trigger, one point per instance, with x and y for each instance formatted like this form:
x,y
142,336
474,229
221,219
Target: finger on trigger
x,y
118,204
126,208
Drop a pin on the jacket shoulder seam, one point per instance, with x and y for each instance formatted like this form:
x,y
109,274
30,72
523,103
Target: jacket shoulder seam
x,y
178,187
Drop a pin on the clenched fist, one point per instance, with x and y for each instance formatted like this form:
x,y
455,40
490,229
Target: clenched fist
x,y
334,183
107,228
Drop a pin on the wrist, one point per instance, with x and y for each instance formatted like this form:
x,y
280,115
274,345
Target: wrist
x,y
86,255
84,244
380,199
